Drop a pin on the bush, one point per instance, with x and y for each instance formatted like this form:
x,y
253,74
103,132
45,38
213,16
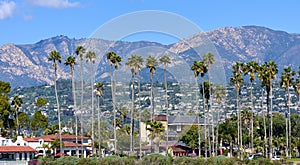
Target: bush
x,y
65,160
156,159
88,161
189,161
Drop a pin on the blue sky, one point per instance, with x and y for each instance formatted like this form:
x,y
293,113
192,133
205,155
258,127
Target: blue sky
x,y
29,21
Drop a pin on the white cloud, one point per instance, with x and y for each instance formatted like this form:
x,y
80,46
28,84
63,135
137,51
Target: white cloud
x,y
54,3
6,9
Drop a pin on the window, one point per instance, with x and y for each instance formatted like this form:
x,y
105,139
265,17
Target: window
x,y
178,128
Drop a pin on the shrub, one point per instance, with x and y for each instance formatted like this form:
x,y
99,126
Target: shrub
x,y
156,159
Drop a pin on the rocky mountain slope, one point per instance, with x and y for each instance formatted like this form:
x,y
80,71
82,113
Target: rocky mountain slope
x,y
27,65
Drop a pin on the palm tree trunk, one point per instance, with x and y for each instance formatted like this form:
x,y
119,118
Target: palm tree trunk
x,y
81,107
58,113
217,131
17,118
289,124
205,122
238,122
99,126
114,107
92,107
152,98
252,116
264,119
75,108
131,114
167,109
198,120
271,122
210,110
140,136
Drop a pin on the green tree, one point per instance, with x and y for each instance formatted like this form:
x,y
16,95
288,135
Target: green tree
x,y
151,63
39,121
219,94
5,108
165,60
99,93
115,60
286,81
267,74
55,57
156,130
41,102
55,144
24,121
199,67
209,59
51,130
135,62
90,57
71,61
237,80
80,51
17,103
190,137
251,68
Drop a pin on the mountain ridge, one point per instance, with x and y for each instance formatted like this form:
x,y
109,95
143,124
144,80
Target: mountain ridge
x,y
27,64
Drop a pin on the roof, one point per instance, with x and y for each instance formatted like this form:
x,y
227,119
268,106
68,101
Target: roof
x,y
71,144
49,138
184,120
16,149
160,118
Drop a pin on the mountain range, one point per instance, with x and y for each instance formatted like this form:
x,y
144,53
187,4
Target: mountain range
x,y
27,65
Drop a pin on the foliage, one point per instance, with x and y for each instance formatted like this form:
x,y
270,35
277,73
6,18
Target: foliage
x,y
41,102
191,137
156,159
39,121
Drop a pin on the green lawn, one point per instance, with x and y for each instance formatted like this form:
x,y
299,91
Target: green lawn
x,y
295,160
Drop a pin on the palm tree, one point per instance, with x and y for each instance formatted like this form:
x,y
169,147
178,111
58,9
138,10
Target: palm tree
x,y
135,62
99,92
165,60
219,93
80,51
114,59
55,57
251,69
90,57
71,61
286,82
237,80
296,86
151,63
17,102
267,74
156,130
209,59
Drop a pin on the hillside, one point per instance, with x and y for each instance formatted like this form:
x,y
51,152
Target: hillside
x,y
27,65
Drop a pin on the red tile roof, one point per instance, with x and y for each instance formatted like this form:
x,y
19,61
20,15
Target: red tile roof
x,y
71,144
16,149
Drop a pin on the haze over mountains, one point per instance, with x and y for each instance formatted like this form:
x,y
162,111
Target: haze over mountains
x,y
28,65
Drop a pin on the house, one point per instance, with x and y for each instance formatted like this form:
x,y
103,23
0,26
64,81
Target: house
x,y
18,151
175,126
69,141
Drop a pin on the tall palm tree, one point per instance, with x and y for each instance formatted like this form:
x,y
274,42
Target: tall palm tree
x,y
296,86
286,82
237,80
151,63
156,130
99,92
55,57
267,74
165,60
199,68
251,69
115,60
71,61
80,51
17,103
90,57
209,59
135,62
219,93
